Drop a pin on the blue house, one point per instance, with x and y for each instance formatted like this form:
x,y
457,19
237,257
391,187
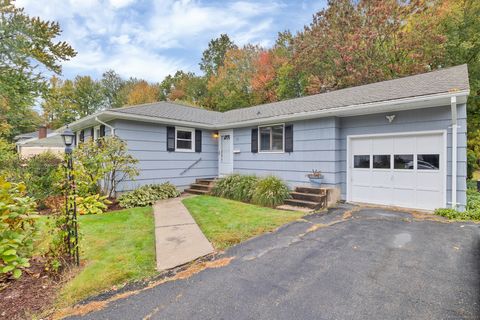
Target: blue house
x,y
400,142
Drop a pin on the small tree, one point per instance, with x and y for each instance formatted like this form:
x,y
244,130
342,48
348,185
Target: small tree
x,y
101,165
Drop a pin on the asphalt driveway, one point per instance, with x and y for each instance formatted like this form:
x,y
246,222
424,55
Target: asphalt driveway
x,y
372,264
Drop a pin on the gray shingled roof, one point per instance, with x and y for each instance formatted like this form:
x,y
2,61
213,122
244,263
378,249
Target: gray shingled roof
x,y
439,81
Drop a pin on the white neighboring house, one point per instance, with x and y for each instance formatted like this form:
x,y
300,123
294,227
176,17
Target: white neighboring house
x,y
31,144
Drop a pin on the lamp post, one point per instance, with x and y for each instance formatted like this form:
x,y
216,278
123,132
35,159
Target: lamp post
x,y
70,194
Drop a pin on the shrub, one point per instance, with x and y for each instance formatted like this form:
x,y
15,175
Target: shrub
x,y
270,192
94,204
43,172
472,211
147,195
106,160
18,228
472,163
236,187
8,158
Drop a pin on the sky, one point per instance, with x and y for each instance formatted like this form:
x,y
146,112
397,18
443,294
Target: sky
x,y
150,39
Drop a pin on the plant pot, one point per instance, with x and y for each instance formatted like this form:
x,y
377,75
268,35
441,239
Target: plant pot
x,y
316,180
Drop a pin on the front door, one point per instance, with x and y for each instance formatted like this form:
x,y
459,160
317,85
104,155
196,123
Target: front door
x,y
225,152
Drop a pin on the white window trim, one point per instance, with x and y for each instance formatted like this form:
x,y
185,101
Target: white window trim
x,y
283,139
96,132
193,139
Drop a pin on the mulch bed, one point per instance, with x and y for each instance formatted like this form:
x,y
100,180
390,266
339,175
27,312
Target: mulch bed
x,y
33,293
115,205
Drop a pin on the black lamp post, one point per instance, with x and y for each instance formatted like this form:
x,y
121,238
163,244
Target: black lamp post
x,y
70,195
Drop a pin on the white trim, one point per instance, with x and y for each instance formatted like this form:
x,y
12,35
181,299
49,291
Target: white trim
x,y
96,135
112,128
453,104
185,129
283,138
410,133
220,133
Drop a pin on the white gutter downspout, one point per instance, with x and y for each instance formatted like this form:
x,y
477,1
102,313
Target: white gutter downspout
x,y
112,129
453,103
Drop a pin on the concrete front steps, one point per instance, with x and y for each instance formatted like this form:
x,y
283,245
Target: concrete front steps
x,y
308,197
201,186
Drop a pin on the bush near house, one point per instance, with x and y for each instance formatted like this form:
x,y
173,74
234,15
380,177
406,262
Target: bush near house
x,y
268,192
472,211
147,195
18,229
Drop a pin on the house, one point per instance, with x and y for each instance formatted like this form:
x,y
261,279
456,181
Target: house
x,y
43,140
400,142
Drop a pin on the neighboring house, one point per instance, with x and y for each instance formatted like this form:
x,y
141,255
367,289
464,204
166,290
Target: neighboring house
x,y
31,144
400,142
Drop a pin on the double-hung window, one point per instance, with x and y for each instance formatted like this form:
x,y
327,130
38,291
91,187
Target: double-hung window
x,y
185,139
271,138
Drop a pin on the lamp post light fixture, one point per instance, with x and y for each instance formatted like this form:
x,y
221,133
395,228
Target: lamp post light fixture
x,y
71,197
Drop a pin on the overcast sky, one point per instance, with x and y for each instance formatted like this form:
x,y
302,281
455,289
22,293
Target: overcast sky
x,y
149,39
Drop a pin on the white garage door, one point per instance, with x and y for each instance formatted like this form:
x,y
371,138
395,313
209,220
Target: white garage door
x,y
400,170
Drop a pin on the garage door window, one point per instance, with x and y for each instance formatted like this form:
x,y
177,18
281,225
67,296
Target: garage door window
x,y
428,162
403,161
361,161
381,161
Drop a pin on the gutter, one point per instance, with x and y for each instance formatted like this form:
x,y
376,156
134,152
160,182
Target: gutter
x,y
453,104
112,128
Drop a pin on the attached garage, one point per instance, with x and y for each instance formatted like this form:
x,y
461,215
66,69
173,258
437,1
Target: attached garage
x,y
405,170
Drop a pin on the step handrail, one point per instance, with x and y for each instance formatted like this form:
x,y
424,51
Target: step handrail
x,y
190,166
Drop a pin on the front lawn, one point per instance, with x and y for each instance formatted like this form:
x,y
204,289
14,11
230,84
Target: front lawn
x,y
116,247
227,222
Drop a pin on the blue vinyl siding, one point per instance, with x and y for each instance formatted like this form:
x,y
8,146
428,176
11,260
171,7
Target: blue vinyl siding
x,y
147,143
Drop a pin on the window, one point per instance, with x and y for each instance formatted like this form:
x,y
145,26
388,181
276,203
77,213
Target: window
x,y
361,161
428,161
184,139
381,161
403,161
271,138
96,133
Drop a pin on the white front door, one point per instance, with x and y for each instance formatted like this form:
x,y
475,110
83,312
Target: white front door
x,y
405,170
225,152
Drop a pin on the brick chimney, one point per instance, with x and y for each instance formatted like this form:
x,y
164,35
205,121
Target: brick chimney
x,y
42,132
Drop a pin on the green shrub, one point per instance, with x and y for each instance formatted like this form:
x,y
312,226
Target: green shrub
x,y
106,160
8,157
18,228
270,192
43,172
472,163
236,187
472,210
147,195
94,204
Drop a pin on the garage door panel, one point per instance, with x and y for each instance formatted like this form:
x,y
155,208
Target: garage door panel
x,y
381,179
404,179
361,193
382,146
408,183
402,145
428,199
429,181
404,197
361,177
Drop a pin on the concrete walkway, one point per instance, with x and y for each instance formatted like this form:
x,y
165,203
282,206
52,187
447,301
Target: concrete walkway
x,y
178,239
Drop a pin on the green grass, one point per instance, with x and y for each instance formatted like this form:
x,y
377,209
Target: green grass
x,y
116,247
227,222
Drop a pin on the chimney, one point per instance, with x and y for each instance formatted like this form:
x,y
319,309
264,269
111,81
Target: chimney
x,y
42,132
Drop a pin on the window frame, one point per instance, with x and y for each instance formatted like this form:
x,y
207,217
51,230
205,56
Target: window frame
x,y
96,133
185,129
271,138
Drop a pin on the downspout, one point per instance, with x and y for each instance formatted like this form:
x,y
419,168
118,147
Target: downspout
x,y
112,129
453,103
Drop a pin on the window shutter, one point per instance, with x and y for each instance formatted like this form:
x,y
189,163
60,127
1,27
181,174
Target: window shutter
x,y
92,132
289,138
170,138
102,130
255,140
82,136
198,140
